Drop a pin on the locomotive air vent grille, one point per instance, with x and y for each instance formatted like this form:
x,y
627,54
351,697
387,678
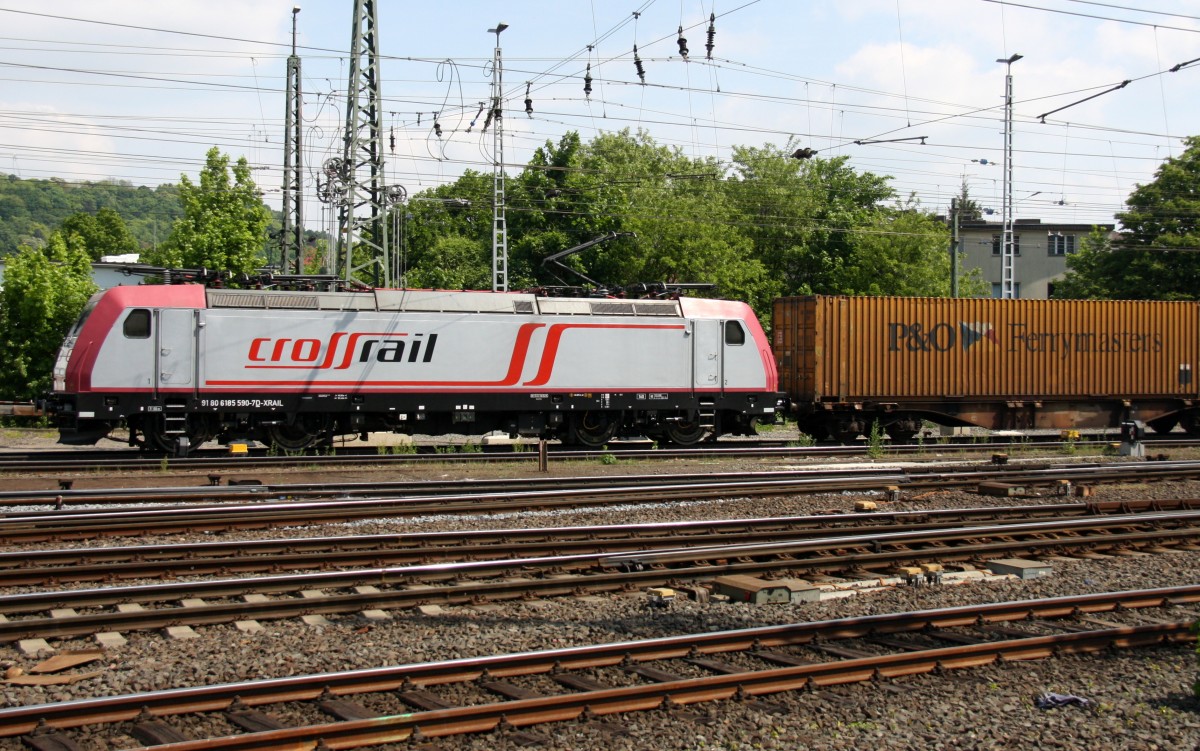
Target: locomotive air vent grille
x,y
284,300
612,308
657,308
522,306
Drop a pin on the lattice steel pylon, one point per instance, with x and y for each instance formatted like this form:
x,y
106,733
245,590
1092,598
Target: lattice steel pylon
x,y
362,235
1008,251
291,241
499,221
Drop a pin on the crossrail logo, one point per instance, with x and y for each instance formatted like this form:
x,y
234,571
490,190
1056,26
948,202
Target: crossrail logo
x,y
340,350
976,332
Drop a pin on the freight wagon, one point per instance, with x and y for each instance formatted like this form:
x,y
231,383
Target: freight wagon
x,y
846,362
181,364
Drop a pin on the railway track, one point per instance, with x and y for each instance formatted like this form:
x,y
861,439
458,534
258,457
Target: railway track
x,y
58,463
281,505
427,700
25,568
69,613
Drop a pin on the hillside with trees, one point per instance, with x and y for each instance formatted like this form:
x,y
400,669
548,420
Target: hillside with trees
x,y
30,210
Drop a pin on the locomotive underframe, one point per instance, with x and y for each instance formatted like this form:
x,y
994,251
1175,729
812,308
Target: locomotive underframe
x,y
902,419
301,421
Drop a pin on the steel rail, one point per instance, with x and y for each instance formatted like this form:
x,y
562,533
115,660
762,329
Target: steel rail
x,y
378,489
528,712
40,526
912,475
40,567
603,573
67,524
164,703
60,461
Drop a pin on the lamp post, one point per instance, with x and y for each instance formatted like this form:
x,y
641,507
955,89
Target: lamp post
x,y
1007,256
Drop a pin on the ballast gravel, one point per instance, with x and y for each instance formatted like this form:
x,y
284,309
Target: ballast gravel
x,y
1138,700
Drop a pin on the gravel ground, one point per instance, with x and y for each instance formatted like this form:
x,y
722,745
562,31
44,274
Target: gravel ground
x,y
1142,700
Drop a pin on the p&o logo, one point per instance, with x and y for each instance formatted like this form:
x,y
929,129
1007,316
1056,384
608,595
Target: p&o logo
x,y
940,337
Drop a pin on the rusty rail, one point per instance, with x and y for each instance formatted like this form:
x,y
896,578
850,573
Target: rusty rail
x,y
758,641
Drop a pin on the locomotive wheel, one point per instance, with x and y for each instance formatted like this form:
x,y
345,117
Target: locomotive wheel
x,y
685,433
303,434
291,437
157,438
594,429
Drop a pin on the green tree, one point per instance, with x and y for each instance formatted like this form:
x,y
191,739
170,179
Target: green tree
x,y
1154,255
44,292
224,223
902,250
102,234
454,262
803,215
676,219
968,208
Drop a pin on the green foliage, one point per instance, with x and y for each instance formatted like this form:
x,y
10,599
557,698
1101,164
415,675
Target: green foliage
x,y
102,234
1142,263
224,223
31,210
454,262
875,441
768,226
44,292
903,251
968,208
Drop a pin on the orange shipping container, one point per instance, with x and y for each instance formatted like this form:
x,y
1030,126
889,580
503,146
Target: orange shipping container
x,y
996,363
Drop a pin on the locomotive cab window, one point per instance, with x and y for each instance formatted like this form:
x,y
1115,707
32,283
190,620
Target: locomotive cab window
x,y
735,335
137,324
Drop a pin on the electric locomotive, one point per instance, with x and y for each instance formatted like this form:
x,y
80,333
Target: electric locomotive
x,y
181,364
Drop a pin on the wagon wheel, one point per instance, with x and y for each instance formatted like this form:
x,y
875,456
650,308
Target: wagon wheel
x,y
1191,423
594,429
1164,425
815,428
844,432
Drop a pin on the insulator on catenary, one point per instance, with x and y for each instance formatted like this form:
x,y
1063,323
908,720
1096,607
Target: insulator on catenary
x,y
528,101
473,119
683,50
437,127
587,82
712,33
637,63
392,139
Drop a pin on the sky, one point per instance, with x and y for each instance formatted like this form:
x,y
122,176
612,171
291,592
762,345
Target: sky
x,y
911,89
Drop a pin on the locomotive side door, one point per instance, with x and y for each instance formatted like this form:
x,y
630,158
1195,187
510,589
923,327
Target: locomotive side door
x,y
706,354
175,348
